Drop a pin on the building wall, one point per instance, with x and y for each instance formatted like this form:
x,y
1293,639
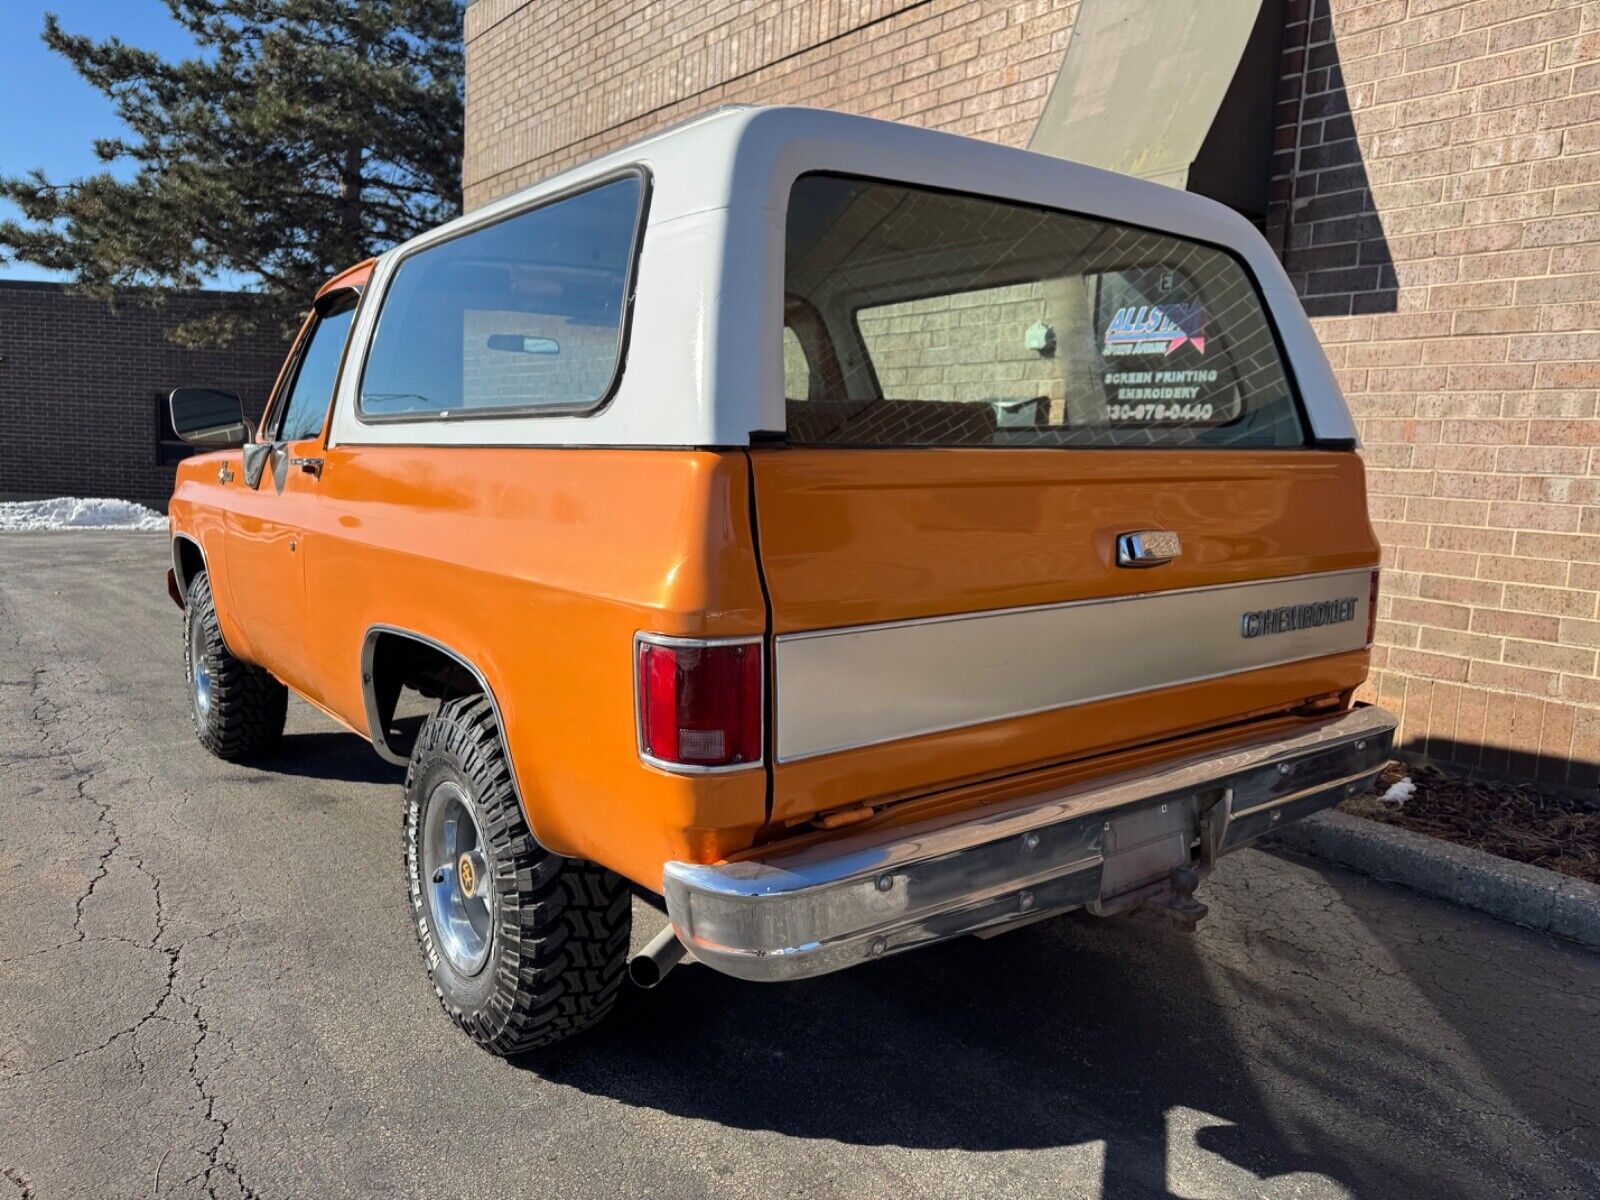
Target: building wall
x,y
549,85
1438,206
1436,200
78,382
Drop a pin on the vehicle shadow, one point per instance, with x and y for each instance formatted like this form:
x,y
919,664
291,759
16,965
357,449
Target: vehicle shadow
x,y
336,757
1074,1031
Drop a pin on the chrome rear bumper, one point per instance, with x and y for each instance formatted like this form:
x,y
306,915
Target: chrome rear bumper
x,y
855,898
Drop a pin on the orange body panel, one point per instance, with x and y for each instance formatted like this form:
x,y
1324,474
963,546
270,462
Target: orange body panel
x,y
351,277
862,537
266,573
538,566
855,537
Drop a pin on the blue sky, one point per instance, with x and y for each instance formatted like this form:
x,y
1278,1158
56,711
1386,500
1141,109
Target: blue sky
x,y
53,117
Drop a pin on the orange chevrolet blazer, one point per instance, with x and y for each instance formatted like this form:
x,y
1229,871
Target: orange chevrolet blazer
x,y
857,535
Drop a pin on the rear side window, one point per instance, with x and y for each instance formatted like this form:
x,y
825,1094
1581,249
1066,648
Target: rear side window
x,y
523,316
931,319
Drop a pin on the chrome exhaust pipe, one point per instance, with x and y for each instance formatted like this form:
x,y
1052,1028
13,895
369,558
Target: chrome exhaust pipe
x,y
663,952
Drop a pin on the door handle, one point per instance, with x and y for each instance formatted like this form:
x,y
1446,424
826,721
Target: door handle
x,y
311,466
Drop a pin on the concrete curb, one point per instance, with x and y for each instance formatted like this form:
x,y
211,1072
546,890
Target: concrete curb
x,y
1513,891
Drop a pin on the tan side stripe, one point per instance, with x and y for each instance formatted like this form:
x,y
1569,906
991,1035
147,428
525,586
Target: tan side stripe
x,y
839,689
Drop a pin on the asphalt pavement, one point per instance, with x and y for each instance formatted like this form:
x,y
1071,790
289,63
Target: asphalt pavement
x,y
209,986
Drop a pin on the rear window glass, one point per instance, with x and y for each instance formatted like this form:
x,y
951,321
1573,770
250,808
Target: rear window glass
x,y
522,315
921,318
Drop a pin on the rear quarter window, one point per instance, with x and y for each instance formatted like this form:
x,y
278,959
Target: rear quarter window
x,y
955,320
526,315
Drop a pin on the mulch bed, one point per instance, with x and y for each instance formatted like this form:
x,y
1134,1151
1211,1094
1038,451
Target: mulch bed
x,y
1515,821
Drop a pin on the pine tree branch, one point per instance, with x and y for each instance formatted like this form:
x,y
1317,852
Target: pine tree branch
x,y
304,136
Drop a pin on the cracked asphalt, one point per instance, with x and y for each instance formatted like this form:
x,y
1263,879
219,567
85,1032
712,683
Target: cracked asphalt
x,y
208,987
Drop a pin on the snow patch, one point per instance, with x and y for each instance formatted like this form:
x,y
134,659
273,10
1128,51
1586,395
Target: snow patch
x,y
73,512
1399,793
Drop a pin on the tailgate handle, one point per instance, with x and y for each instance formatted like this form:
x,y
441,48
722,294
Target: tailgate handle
x,y
1147,548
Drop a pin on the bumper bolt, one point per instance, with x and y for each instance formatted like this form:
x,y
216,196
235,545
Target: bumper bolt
x,y
1283,768
1031,841
885,882
878,947
1025,899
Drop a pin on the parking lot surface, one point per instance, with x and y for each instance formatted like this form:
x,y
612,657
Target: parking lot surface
x,y
208,985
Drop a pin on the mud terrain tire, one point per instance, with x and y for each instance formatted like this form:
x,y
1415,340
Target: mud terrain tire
x,y
238,708
542,949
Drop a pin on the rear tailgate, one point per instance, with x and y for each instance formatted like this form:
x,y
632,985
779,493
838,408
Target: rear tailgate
x,y
1058,652
982,397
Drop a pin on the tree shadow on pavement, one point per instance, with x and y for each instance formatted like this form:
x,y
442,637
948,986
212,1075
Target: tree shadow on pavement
x,y
1074,1031
1521,1006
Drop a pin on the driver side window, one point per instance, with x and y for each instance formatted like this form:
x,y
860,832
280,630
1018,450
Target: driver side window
x,y
309,391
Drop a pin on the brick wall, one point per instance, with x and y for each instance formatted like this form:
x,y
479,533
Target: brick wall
x,y
1438,206
77,390
579,373
1437,201
549,85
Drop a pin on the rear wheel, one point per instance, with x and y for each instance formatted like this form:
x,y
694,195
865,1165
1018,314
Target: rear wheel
x,y
524,947
238,708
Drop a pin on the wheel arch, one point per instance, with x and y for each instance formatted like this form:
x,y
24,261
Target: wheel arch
x,y
188,560
389,654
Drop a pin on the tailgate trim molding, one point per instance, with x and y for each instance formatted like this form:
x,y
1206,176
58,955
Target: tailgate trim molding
x,y
857,686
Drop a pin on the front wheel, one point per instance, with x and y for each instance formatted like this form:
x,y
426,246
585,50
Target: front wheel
x,y
238,709
524,947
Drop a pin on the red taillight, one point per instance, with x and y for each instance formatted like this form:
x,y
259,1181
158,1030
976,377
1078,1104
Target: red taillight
x,y
1372,610
699,703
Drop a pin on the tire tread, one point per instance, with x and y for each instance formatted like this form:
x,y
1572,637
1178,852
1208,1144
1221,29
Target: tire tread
x,y
248,706
563,923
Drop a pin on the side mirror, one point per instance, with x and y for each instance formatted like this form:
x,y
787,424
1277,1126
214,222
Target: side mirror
x,y
209,418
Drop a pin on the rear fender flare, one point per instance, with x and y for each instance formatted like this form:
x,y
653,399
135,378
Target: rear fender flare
x,y
374,714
